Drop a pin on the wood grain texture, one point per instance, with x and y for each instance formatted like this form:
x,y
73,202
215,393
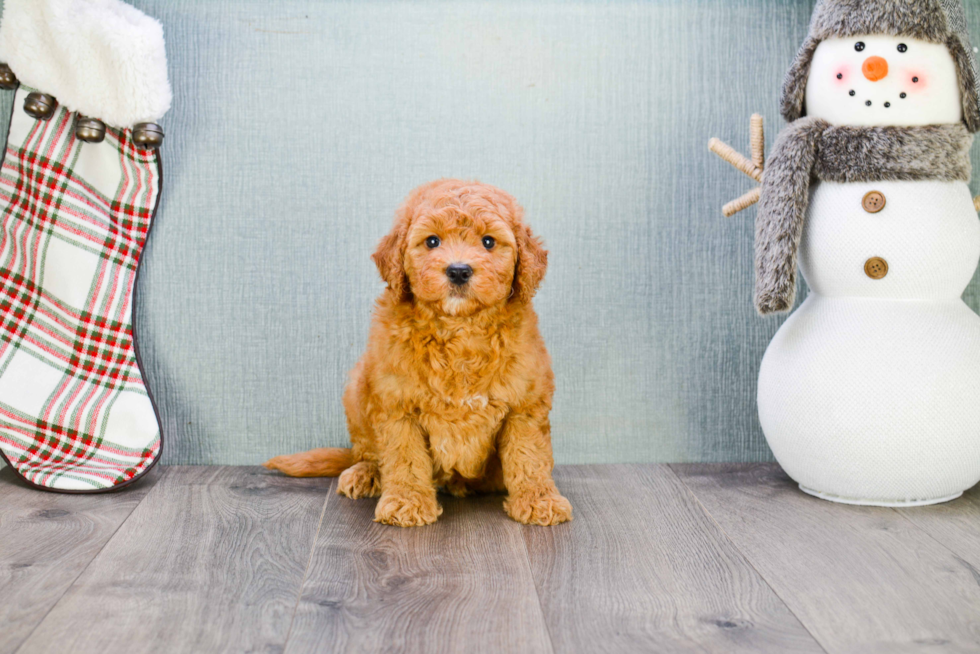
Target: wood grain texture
x,y
46,541
861,579
955,524
643,568
211,561
460,585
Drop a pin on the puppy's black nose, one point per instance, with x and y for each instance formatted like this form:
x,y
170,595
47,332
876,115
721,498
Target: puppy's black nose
x,y
459,273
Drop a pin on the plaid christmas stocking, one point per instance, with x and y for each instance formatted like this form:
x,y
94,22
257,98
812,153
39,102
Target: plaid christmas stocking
x,y
78,196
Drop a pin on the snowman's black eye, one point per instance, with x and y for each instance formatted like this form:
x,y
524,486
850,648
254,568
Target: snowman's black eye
x,y
859,46
432,242
902,47
489,242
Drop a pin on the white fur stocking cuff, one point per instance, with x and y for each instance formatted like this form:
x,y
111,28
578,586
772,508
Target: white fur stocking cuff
x,y
101,58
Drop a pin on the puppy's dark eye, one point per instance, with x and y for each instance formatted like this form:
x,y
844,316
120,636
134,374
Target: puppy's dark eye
x,y
859,46
432,242
489,242
902,47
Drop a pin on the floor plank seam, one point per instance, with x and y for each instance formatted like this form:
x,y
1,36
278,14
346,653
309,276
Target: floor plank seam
x,y
534,584
81,572
309,562
748,561
930,536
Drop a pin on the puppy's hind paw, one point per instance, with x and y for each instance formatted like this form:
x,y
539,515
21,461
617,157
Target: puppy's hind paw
x,y
407,509
360,480
456,487
538,507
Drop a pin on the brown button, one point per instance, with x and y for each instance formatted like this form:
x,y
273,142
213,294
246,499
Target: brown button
x,y
876,268
873,202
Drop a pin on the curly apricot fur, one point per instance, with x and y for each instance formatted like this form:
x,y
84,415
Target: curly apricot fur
x,y
455,387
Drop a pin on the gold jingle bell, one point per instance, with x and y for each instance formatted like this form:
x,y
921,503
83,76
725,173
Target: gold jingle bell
x,y
147,135
7,78
40,105
90,130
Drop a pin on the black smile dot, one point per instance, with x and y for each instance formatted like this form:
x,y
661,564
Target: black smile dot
x,y
852,94
840,75
904,95
888,104
915,80
868,103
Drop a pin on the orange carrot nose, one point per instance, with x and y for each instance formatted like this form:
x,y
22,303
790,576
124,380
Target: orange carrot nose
x,y
875,68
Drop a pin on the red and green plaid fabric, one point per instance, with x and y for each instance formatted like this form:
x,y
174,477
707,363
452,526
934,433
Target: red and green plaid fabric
x,y
75,414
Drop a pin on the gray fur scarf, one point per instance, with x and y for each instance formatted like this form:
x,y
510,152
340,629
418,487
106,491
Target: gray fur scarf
x,y
811,148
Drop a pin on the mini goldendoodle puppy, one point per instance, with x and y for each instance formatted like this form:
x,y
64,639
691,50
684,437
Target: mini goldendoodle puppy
x,y
455,388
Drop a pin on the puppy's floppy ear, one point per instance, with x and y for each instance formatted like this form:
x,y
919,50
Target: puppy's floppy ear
x,y
390,259
532,262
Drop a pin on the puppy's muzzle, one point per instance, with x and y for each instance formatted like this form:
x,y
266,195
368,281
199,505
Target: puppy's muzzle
x,y
459,273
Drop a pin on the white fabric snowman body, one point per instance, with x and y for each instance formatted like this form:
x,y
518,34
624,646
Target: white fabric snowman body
x,y
870,391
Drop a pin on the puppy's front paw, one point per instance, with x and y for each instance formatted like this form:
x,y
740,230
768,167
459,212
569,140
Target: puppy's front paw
x,y
407,509
360,480
543,507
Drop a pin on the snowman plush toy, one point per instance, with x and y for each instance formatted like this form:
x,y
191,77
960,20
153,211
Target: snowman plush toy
x,y
870,391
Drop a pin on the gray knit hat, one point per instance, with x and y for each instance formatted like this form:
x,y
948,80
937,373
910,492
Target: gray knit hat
x,y
937,21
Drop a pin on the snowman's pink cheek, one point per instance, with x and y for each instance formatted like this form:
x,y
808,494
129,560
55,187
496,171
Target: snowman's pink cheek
x,y
914,83
842,75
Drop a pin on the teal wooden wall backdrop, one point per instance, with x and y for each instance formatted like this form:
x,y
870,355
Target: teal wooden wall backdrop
x,y
298,126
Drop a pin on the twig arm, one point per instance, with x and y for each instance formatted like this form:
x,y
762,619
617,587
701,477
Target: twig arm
x,y
753,168
743,203
758,141
729,154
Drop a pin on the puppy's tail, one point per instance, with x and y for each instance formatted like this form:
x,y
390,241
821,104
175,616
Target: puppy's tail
x,y
323,462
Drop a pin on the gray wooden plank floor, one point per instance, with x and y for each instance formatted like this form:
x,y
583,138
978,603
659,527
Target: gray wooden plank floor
x,y
686,558
643,568
861,579
46,541
210,561
461,585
